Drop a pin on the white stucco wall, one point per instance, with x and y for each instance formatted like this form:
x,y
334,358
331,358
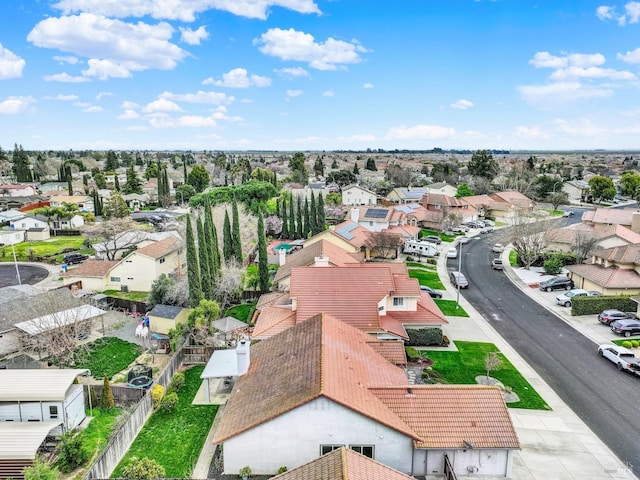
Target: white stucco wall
x,y
357,196
138,272
294,438
465,462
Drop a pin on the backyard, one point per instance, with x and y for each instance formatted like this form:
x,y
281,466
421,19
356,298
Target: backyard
x,y
55,247
106,356
241,312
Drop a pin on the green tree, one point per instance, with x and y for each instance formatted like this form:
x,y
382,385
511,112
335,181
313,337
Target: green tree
x,y
115,207
211,236
285,220
601,188
193,269
41,470
318,167
313,215
464,191
630,184
116,183
184,193
483,165
204,256
299,221
106,397
356,170
558,198
293,232
334,199
306,219
322,221
299,173
134,184
142,469
151,171
334,164
263,264
21,167
72,452
235,233
111,163
341,177
70,184
100,181
227,239
198,178
160,289
371,165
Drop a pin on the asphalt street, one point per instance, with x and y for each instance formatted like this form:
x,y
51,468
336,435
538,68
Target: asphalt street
x,y
29,274
567,360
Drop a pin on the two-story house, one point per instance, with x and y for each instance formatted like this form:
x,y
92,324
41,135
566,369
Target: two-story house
x,y
612,271
356,195
83,202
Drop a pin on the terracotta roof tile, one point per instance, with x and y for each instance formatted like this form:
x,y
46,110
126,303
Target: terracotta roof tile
x,y
273,320
610,216
610,277
343,464
160,248
626,255
358,235
442,200
272,298
92,268
446,415
391,350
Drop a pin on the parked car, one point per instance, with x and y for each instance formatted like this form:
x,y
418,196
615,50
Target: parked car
x,y
73,258
568,213
460,229
432,239
464,239
497,248
487,229
565,299
432,293
452,253
609,316
497,264
557,283
475,224
459,280
626,327
488,223
622,357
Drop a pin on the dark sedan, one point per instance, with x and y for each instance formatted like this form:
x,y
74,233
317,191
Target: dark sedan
x,y
432,293
626,327
609,316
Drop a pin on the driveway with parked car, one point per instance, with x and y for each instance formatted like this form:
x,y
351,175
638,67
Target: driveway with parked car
x,y
623,358
565,299
556,283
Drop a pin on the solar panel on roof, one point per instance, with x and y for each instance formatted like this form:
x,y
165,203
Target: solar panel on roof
x,y
376,213
345,232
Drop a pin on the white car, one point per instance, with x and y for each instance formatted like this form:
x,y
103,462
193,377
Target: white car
x,y
566,298
568,213
464,239
497,248
623,358
452,253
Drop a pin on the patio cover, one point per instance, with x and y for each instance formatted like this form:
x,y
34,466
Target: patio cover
x,y
37,385
59,319
223,363
21,440
228,324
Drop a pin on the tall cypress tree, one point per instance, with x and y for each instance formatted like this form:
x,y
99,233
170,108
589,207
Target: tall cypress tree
x,y
292,220
263,265
306,228
299,229
203,258
69,184
235,232
227,239
285,221
212,248
313,215
322,221
193,270
217,258
116,183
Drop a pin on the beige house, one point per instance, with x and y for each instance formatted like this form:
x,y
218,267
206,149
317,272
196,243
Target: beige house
x,y
84,202
612,271
610,236
357,195
442,188
163,318
407,194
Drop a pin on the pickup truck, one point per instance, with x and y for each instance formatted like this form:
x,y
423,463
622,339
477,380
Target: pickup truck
x,y
624,359
496,264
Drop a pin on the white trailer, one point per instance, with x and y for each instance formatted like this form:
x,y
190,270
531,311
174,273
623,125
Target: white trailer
x,y
425,249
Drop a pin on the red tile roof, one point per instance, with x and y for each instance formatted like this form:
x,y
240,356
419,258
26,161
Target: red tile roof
x,y
610,277
92,268
343,464
160,248
391,350
627,255
273,320
358,235
447,415
609,216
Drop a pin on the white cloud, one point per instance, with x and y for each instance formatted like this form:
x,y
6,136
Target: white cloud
x,y
461,104
293,72
14,105
328,93
584,60
63,98
71,60
561,92
368,85
162,120
238,78
579,128
104,94
93,109
200,96
11,65
294,93
632,56
128,114
65,77
115,48
531,133
162,105
127,104
605,12
184,10
632,11
81,104
299,46
193,37
358,138
417,132
591,72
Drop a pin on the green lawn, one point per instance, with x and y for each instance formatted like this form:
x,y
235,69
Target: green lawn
x,y
174,439
242,312
448,307
424,266
463,366
427,277
106,356
443,236
134,296
45,248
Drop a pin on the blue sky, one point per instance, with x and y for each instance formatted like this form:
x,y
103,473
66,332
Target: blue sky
x,y
319,75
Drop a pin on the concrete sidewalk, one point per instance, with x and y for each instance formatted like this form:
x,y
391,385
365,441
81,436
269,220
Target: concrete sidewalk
x,y
556,444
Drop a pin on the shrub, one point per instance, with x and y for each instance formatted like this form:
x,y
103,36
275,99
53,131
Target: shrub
x,y
142,469
169,401
106,398
424,336
245,472
432,261
627,344
282,470
552,266
71,452
593,305
41,470
412,354
635,343
157,392
177,382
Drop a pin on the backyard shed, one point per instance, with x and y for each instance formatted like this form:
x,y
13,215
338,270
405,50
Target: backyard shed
x,y
20,443
163,318
228,325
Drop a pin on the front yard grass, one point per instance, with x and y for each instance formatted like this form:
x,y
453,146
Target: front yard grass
x,y
133,296
45,248
463,366
448,307
241,312
427,277
174,439
443,236
106,356
424,266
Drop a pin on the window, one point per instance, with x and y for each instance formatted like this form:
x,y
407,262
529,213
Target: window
x,y
324,449
398,301
53,411
162,260
366,450
115,279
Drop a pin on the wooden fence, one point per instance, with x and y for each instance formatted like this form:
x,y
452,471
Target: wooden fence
x,y
196,354
122,395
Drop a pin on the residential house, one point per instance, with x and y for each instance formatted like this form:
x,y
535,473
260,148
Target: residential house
x,y
350,235
11,237
72,223
407,194
606,217
451,210
150,187
124,242
12,301
378,298
92,275
443,188
504,206
356,195
34,228
163,318
136,200
323,374
17,190
48,187
577,190
22,203
374,219
612,271
83,202
11,215
568,238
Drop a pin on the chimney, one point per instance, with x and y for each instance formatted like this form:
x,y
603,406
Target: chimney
x,y
282,257
242,353
321,261
635,222
355,215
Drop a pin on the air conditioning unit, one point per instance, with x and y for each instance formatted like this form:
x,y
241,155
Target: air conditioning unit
x,y
124,288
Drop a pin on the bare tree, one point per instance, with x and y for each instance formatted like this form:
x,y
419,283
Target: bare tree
x,y
557,198
583,244
229,285
384,244
116,235
528,237
492,362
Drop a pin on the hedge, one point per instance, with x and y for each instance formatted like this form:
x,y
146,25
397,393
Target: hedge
x,y
423,337
591,305
565,258
412,354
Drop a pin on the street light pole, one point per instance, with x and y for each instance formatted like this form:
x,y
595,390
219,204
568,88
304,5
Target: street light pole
x,y
460,271
15,262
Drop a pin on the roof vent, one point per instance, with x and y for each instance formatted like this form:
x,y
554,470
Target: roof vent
x,y
409,391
